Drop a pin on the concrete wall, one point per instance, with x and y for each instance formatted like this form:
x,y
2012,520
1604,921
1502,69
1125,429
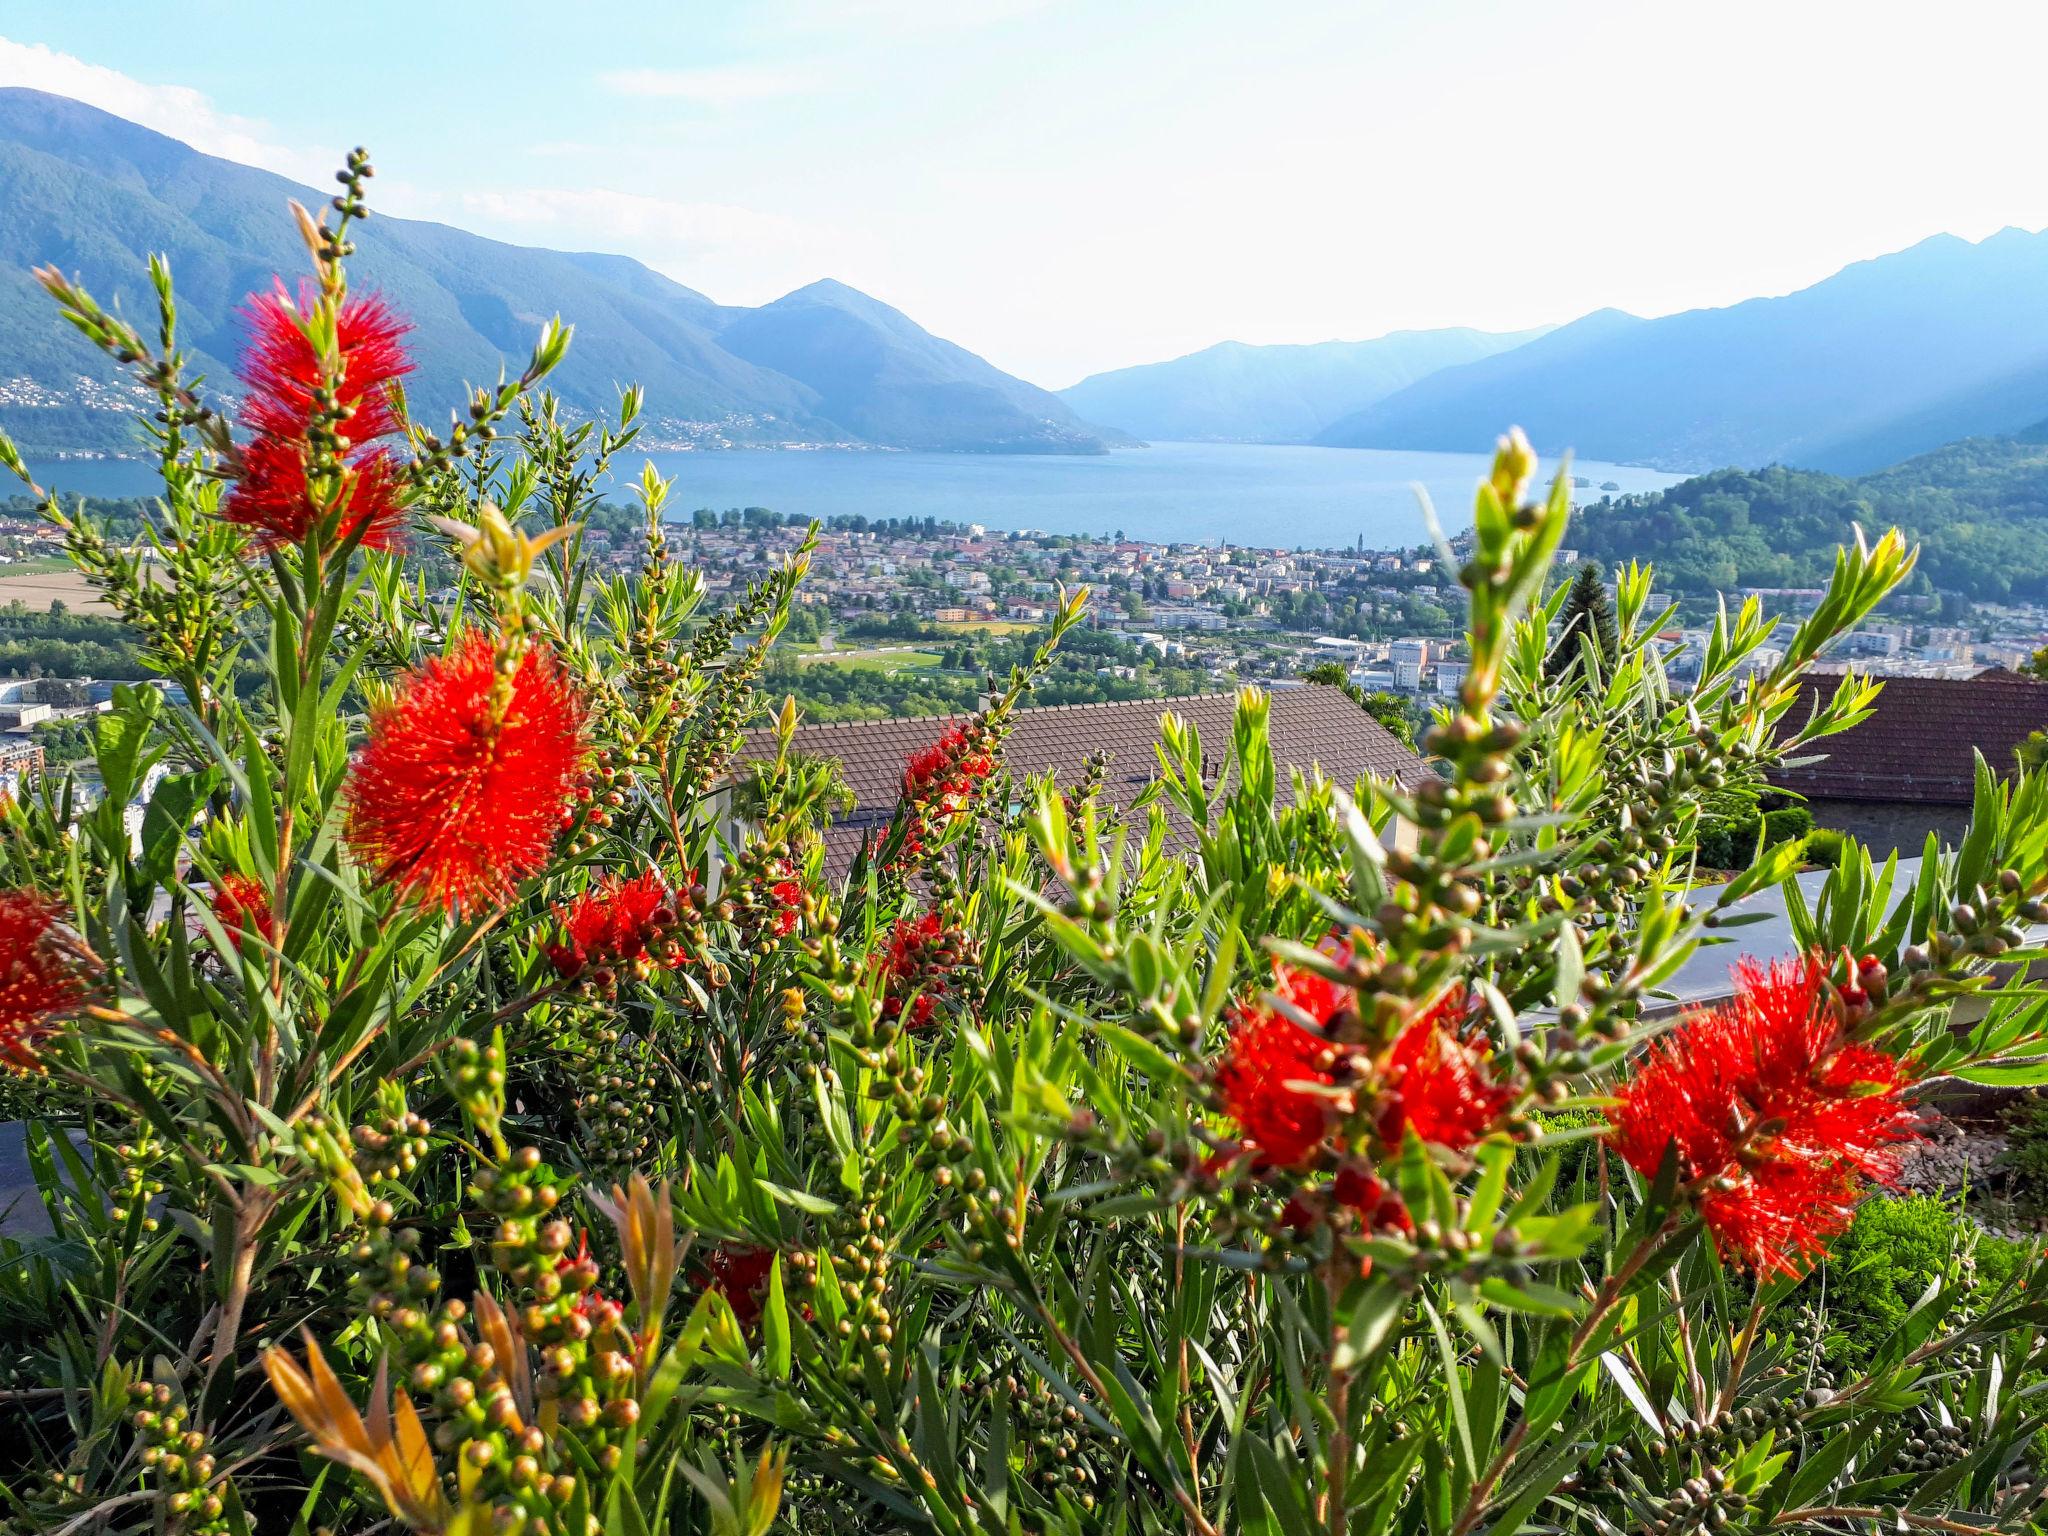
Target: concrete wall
x,y
1887,824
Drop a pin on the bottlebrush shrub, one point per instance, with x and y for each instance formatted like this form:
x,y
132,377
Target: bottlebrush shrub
x,y
469,1106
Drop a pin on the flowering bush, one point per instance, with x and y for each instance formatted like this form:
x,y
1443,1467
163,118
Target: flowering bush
x,y
464,1101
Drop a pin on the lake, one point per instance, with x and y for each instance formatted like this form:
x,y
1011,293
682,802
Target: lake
x,y
1282,497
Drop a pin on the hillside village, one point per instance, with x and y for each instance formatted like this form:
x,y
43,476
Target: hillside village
x,y
1227,613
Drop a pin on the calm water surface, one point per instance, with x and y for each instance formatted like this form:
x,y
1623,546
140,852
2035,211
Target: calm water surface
x,y
1283,497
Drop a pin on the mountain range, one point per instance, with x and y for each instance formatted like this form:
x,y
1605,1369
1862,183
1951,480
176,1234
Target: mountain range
x,y
1888,357
94,194
1885,359
1274,394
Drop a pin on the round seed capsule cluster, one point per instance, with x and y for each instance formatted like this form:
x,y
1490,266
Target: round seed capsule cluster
x,y
1807,1341
723,715
861,1263
618,1104
1708,1501
390,1146
1982,924
1723,1439
477,1077
177,1457
387,1278
652,673
1048,1430
139,1185
1933,1445
586,1351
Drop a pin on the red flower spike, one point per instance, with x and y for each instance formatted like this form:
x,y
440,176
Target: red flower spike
x,y
939,783
785,900
243,906
1268,1082
39,983
741,1276
918,962
1377,1204
1780,1121
614,922
1438,1081
451,802
1318,997
1273,1067
944,774
270,496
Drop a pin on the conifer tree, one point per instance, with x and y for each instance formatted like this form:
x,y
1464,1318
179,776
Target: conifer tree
x,y
1588,609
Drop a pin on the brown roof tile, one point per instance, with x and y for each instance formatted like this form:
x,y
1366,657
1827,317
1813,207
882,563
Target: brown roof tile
x,y
1917,744
1314,724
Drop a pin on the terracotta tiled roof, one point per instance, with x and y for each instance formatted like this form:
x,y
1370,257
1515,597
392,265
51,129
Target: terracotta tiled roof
x,y
1315,724
1917,744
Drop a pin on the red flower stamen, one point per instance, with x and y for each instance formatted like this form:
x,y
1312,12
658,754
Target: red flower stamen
x,y
1437,1081
459,794
40,981
1268,1083
920,968
1779,1120
271,495
939,783
243,906
741,1276
617,922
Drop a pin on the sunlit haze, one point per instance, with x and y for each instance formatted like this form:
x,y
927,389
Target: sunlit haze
x,y
1065,188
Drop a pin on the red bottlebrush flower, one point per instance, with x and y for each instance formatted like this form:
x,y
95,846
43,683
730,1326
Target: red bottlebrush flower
x,y
943,775
920,968
1273,1066
1437,1081
785,899
741,1276
1315,996
1378,1205
242,905
39,981
939,783
453,802
1779,1119
617,922
281,369
1268,1084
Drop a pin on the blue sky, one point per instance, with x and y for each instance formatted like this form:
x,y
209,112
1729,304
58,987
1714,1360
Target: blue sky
x,y
1066,187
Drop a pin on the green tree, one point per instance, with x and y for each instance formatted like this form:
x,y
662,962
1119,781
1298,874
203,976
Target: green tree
x,y
1587,610
1390,709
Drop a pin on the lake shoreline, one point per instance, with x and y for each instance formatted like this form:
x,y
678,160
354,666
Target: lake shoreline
x,y
1276,496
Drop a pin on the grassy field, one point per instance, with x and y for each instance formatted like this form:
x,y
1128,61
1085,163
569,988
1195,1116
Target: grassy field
x,y
37,589
878,660
989,627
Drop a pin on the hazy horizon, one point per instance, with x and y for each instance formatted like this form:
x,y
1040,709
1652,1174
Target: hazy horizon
x,y
1068,189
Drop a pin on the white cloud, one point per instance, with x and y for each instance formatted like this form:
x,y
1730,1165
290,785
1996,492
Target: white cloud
x,y
179,111
713,86
908,18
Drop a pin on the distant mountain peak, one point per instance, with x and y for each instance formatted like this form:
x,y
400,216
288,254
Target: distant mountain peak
x,y
1285,392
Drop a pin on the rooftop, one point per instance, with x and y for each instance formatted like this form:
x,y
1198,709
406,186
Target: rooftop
x,y
1918,743
1316,725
